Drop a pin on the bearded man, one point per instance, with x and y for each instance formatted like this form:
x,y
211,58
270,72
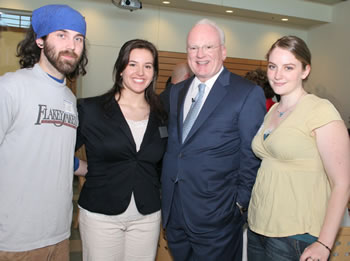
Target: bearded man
x,y
38,122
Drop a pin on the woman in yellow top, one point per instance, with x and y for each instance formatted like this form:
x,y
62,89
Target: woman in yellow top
x,y
303,184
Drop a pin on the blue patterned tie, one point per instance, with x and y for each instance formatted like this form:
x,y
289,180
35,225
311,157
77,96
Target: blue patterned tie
x,y
193,112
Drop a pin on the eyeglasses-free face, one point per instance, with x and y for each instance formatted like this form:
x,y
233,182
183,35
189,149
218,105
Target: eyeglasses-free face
x,y
285,72
138,74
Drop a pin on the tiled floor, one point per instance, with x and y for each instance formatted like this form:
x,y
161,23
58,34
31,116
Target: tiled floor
x,y
75,243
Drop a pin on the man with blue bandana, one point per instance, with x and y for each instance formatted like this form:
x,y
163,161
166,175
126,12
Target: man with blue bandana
x,y
38,122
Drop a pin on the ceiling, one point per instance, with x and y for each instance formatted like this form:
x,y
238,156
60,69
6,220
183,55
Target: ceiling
x,y
328,2
300,13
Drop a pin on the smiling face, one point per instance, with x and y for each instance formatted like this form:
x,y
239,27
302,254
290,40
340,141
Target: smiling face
x,y
138,74
62,51
205,52
285,72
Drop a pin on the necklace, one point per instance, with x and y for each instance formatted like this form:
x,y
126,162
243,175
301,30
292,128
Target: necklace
x,y
281,113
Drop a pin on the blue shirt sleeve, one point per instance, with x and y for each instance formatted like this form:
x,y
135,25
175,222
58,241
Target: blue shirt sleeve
x,y
76,163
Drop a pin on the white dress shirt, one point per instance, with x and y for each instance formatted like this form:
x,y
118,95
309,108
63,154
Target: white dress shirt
x,y
193,91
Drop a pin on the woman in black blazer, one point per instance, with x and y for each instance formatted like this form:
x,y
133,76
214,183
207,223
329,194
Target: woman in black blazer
x,y
125,138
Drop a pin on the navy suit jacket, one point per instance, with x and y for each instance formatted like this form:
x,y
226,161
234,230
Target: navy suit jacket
x,y
215,167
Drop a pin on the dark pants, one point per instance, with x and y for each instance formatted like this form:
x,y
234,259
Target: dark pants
x,y
222,244
262,248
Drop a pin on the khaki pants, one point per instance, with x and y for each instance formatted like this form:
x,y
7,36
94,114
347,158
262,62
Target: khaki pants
x,y
57,252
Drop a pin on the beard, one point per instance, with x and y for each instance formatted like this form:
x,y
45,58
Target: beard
x,y
62,65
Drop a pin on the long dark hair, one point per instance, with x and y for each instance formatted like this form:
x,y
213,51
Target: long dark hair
x,y
122,61
29,54
259,77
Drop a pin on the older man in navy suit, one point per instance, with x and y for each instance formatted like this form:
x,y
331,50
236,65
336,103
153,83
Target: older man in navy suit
x,y
209,168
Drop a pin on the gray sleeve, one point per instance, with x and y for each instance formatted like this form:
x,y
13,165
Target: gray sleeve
x,y
6,112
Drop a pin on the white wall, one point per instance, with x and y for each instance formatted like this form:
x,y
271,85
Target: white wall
x,y
109,27
330,47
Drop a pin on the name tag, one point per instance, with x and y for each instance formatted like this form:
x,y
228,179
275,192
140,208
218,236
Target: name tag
x,y
163,131
68,107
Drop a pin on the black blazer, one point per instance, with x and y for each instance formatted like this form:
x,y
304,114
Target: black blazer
x,y
115,169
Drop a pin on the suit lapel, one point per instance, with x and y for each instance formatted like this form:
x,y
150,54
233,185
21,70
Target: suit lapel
x,y
151,130
118,119
217,93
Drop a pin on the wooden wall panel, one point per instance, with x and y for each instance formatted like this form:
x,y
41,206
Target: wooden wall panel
x,y
9,38
167,61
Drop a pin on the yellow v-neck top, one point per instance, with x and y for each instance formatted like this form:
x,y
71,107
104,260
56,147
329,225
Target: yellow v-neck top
x,y
291,191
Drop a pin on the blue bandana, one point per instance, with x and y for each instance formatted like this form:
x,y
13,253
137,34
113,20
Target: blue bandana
x,y
51,18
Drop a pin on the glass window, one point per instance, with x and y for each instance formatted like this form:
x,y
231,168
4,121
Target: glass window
x,y
15,18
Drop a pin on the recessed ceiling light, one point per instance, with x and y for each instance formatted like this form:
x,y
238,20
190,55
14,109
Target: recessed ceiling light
x,y
284,19
166,2
229,11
